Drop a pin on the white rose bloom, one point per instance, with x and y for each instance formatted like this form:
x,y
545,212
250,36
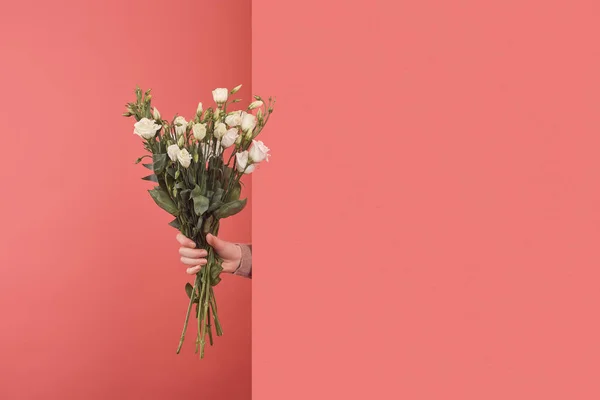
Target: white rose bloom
x,y
173,151
255,104
220,95
234,119
229,138
220,130
242,161
146,128
180,125
184,158
259,152
248,122
199,131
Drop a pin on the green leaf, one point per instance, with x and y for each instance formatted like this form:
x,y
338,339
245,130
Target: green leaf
x,y
235,192
226,174
160,162
175,224
189,289
141,158
151,178
215,271
149,166
215,282
208,224
163,200
229,209
214,206
171,171
216,197
201,203
185,195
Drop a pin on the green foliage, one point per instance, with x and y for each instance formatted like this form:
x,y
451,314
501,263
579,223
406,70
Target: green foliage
x,y
163,200
201,202
229,209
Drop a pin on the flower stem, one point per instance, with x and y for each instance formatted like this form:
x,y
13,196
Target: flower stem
x,y
187,316
213,305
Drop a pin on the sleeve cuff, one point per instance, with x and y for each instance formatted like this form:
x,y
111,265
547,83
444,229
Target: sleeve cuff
x,y
245,267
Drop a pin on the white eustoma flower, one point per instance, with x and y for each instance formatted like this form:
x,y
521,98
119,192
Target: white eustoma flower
x,y
242,162
184,157
229,138
146,128
255,104
173,151
220,95
199,131
220,130
248,122
259,152
180,125
156,114
234,119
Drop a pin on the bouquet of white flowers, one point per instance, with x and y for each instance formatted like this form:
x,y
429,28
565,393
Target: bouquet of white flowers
x,y
197,166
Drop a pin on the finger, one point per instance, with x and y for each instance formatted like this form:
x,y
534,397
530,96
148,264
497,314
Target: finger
x,y
193,270
184,241
193,261
215,242
192,253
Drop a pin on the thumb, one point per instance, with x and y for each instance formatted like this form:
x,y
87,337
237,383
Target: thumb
x,y
215,242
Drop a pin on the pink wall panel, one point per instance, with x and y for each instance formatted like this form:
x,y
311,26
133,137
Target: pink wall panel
x,y
428,227
91,288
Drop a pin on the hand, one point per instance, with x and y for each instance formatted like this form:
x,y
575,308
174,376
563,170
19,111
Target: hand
x,y
195,258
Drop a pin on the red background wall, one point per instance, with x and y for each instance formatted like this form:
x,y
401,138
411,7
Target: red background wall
x,y
91,288
428,227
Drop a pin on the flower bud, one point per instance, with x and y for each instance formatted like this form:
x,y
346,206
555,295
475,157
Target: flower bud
x,y
255,104
199,110
235,89
156,114
181,141
206,116
259,116
216,114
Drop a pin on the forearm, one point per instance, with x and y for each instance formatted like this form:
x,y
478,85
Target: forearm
x,y
245,267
